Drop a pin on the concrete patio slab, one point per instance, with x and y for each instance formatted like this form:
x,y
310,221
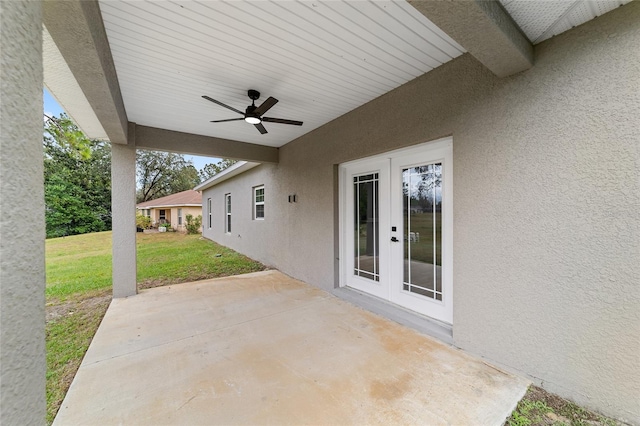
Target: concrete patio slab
x,y
264,348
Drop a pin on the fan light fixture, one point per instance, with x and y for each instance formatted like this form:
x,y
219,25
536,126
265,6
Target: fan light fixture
x,y
252,120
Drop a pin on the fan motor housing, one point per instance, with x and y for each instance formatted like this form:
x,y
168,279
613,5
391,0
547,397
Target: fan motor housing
x,y
253,94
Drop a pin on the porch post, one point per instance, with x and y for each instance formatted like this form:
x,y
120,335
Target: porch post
x,y
22,226
123,207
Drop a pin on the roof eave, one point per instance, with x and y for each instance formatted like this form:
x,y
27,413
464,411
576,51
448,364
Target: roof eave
x,y
228,173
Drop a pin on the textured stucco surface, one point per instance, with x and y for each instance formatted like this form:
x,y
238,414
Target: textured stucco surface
x,y
123,201
258,239
187,143
22,234
485,30
546,205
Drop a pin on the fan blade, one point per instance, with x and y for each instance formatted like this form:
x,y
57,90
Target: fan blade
x,y
229,119
260,128
221,104
282,121
266,106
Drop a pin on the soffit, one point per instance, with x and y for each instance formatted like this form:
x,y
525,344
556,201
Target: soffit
x,y
61,83
320,59
540,20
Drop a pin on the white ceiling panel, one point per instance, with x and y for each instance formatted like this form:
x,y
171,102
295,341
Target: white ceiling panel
x,y
320,59
543,19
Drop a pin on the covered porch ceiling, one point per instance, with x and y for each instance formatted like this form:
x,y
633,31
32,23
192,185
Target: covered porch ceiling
x,y
112,63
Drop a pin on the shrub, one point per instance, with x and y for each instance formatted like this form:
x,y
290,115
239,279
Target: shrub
x,y
193,224
143,222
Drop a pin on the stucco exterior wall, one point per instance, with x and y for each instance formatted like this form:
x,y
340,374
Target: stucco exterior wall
x,y
258,239
546,205
123,203
22,229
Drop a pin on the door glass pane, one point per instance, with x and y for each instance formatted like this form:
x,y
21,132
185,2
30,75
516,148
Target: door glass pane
x,y
422,227
366,262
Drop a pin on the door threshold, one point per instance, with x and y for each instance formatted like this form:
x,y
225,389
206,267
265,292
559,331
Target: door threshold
x,y
411,319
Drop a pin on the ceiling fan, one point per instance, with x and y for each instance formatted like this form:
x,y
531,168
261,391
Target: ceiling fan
x,y
253,114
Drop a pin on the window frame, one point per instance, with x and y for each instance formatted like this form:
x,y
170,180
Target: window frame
x,y
227,213
209,211
179,217
257,203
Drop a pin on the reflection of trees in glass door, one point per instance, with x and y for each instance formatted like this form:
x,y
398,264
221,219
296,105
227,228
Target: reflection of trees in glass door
x,y
422,226
397,225
422,206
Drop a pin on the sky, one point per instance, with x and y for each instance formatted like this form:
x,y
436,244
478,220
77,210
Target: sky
x,y
53,109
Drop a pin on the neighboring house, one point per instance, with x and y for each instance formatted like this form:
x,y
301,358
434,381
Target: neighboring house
x,y
519,119
172,209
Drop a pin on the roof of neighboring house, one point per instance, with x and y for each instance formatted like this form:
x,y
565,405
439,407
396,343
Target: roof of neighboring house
x,y
184,198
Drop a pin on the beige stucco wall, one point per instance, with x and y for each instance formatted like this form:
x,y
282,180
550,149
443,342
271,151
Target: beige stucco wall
x,y
154,214
195,211
172,215
546,205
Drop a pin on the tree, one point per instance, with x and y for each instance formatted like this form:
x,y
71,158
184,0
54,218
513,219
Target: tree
x,y
163,173
77,180
212,169
67,135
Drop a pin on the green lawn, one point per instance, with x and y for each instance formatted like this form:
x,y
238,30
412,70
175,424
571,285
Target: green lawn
x,y
79,289
421,250
81,264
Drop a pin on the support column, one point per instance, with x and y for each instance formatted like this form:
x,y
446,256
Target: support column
x,y
22,229
123,210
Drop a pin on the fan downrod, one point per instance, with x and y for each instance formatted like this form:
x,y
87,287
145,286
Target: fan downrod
x,y
254,95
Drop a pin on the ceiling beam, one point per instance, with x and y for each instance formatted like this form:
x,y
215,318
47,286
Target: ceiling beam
x,y
187,143
78,31
484,29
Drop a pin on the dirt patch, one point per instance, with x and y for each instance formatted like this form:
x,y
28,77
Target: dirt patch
x,y
56,309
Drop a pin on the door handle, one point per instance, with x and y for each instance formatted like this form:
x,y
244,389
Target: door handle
x,y
395,240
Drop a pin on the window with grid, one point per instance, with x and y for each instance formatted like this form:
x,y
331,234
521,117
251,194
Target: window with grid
x,y
227,224
258,202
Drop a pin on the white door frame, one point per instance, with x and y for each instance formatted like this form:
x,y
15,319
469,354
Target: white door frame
x,y
380,288
390,285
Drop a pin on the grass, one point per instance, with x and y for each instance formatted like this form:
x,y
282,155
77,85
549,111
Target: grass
x,y
541,408
79,289
82,263
68,338
69,260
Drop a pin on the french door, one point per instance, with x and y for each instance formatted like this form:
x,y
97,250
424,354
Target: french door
x,y
396,226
